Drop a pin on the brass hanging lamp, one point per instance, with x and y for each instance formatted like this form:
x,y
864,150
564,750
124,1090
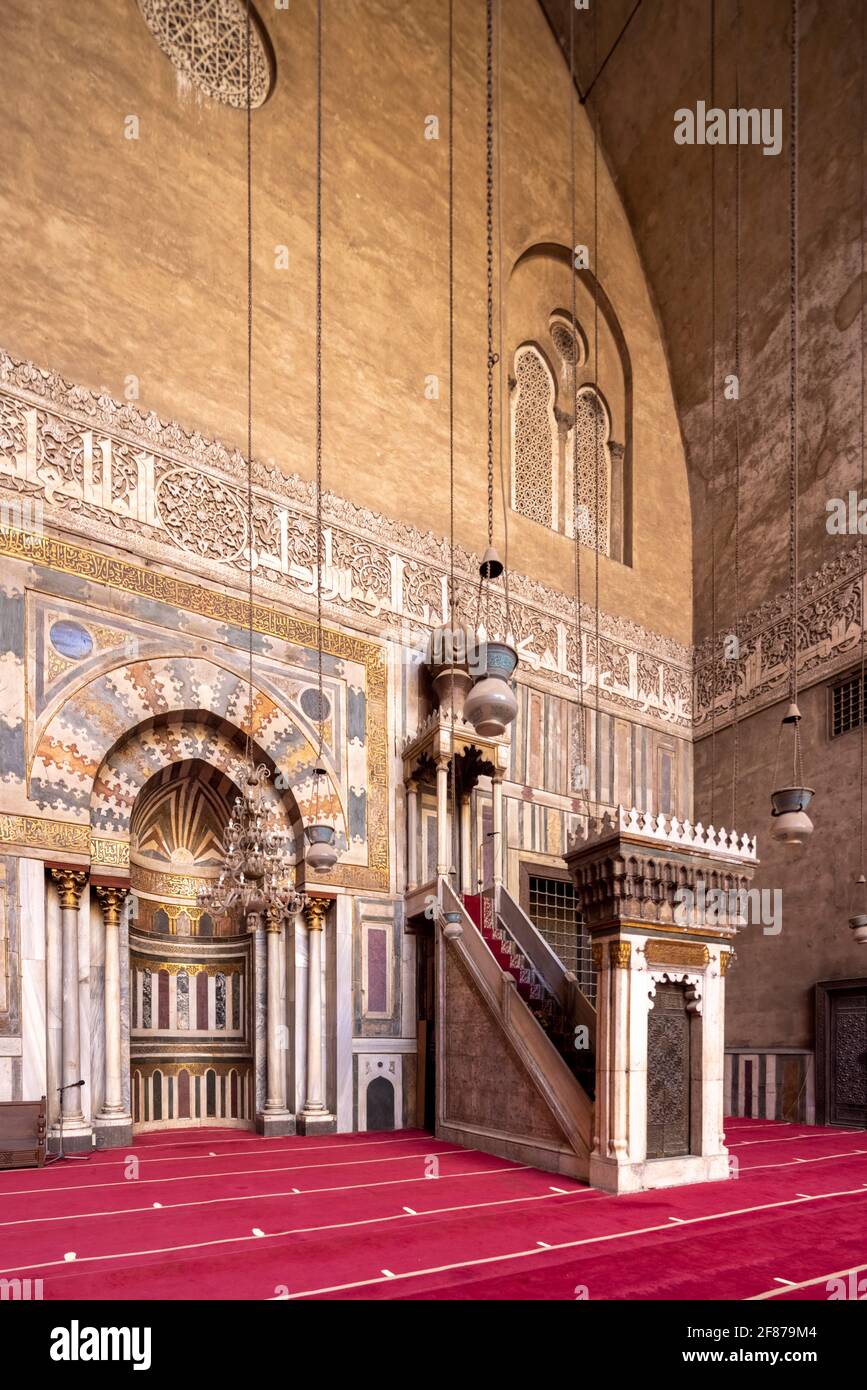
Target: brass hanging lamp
x,y
792,825
491,704
321,840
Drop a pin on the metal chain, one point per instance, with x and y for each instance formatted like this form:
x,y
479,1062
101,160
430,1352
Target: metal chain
x,y
713,629
452,655
737,533
793,357
489,214
319,546
596,410
500,282
579,635
250,535
863,544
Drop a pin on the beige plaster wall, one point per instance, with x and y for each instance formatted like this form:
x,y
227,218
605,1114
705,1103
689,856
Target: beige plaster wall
x,y
127,257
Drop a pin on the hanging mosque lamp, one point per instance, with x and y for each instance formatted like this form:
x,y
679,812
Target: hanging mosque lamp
x,y
321,840
792,825
491,704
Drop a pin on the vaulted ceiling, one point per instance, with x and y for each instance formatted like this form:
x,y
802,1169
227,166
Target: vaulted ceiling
x,y
663,62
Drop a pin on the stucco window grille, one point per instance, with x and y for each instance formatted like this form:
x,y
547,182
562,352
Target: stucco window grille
x,y
848,705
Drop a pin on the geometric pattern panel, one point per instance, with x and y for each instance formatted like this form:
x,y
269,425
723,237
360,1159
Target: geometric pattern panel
x,y
535,437
207,41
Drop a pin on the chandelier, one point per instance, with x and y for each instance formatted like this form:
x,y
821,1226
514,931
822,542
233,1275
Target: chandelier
x,y
258,874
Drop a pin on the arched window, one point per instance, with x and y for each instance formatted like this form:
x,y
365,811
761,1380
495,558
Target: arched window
x,y
534,438
591,460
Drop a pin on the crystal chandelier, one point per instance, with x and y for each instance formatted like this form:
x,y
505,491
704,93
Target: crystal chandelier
x,y
258,875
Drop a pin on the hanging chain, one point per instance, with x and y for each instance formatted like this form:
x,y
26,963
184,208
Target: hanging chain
x,y
489,214
452,655
863,546
319,546
250,535
793,357
713,635
737,533
793,386
596,413
579,636
500,316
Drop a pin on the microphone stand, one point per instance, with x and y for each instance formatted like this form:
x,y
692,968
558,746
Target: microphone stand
x,y
53,1158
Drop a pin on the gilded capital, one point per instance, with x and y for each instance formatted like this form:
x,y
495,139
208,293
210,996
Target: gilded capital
x,y
273,919
619,954
596,955
315,910
725,960
70,882
111,900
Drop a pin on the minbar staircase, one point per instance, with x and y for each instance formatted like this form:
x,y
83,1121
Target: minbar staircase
x,y
509,1080
556,1015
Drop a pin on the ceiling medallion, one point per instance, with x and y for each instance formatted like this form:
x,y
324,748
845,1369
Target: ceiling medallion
x,y
206,40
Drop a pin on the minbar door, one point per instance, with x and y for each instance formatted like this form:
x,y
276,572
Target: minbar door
x,y
668,1073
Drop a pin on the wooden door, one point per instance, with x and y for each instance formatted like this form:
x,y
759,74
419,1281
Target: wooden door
x,y
848,1047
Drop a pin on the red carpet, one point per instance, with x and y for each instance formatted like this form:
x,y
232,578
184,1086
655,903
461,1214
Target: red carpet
x,y
215,1214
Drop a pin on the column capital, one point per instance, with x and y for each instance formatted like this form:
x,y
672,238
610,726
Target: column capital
x,y
315,910
273,919
619,954
71,883
111,900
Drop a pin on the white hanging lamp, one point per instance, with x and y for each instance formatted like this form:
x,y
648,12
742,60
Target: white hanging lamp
x,y
792,825
491,704
321,840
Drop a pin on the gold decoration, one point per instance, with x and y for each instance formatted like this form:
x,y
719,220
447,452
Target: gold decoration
x,y
111,852
596,954
111,900
70,882
315,911
151,883
111,571
184,967
33,832
725,960
676,953
620,954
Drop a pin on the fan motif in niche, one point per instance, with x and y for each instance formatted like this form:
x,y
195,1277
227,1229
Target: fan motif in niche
x,y
180,823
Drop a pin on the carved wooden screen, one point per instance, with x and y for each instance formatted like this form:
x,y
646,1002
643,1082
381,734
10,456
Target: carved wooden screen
x,y
849,1058
668,1074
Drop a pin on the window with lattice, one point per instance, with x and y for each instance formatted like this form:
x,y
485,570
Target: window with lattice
x,y
592,465
534,438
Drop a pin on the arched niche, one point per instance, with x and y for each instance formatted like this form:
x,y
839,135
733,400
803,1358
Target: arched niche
x,y
116,730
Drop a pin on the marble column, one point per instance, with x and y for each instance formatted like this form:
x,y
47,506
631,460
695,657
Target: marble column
x,y
497,799
315,1118
275,1119
54,1004
77,1133
411,835
467,884
113,1124
443,761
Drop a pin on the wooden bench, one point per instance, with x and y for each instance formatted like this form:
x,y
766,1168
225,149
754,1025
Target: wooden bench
x,y
22,1133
